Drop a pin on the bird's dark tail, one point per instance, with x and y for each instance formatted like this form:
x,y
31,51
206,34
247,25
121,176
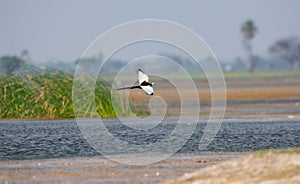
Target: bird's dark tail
x,y
132,87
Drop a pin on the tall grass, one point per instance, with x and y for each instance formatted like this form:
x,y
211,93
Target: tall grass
x,y
46,95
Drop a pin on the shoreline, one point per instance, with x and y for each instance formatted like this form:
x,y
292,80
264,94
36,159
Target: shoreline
x,y
101,170
238,89
178,168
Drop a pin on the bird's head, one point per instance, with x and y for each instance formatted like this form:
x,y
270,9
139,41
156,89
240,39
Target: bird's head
x,y
152,83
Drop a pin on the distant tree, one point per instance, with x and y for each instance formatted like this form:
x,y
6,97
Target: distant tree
x,y
248,30
9,64
288,49
25,55
87,64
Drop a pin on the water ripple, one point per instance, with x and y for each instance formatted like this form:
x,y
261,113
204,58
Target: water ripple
x,y
56,139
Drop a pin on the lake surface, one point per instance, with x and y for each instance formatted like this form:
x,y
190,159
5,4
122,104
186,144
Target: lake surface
x,y
62,138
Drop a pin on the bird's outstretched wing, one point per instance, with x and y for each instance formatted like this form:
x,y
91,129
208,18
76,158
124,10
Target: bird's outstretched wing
x,y
142,77
148,89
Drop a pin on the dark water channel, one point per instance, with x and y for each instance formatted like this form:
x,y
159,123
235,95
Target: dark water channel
x,y
62,138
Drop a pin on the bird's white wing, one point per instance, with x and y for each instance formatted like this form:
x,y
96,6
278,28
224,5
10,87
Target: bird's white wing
x,y
142,77
148,89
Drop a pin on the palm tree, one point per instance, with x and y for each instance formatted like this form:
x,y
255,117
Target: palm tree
x,y
248,30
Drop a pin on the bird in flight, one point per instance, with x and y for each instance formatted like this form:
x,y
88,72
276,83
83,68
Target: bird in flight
x,y
144,83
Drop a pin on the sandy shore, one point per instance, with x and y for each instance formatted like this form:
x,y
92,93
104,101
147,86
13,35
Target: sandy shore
x,y
216,168
265,167
102,170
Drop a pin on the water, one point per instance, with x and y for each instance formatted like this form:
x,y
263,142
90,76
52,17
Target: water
x,y
62,138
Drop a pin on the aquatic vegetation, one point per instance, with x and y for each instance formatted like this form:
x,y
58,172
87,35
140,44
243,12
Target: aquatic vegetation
x,y
47,95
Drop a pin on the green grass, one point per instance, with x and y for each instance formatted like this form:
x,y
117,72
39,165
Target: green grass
x,y
47,95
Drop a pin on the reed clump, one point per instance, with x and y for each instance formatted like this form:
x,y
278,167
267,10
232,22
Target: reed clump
x,y
46,95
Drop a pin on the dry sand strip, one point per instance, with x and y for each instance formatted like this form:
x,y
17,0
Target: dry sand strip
x,y
101,170
264,167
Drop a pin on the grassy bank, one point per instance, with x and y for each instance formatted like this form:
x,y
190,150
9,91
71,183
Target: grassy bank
x,y
46,95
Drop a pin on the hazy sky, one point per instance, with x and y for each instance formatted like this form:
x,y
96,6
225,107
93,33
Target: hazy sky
x,y
62,29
